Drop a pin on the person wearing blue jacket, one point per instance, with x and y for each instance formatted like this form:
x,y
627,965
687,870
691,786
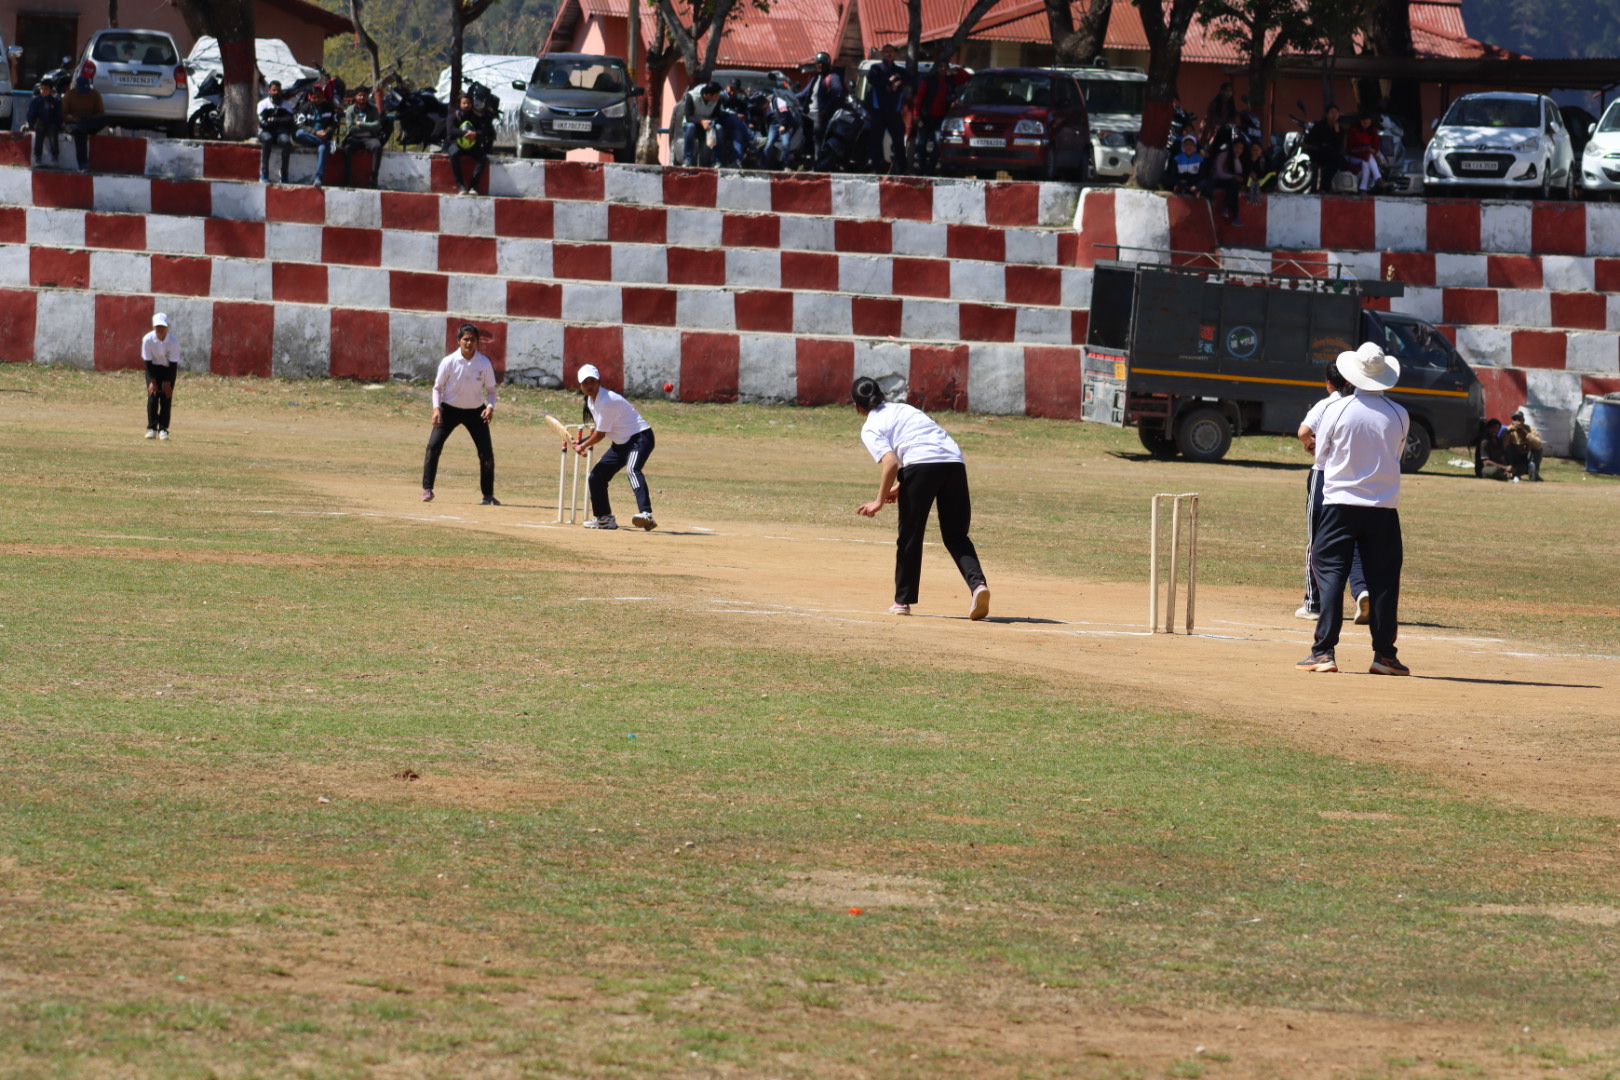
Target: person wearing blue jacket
x,y
45,121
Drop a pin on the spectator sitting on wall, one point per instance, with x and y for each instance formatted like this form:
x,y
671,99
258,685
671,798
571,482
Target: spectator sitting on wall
x,y
1523,447
362,133
1325,143
703,120
1226,175
317,123
1187,167
84,115
1490,456
1258,174
45,121
1361,146
276,123
468,139
1222,107
734,120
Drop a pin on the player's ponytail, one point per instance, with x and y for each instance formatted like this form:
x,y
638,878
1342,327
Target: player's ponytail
x,y
868,394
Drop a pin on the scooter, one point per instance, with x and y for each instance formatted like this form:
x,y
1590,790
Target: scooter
x,y
844,147
206,120
1298,173
419,116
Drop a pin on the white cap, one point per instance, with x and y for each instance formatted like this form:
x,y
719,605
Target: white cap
x,y
1368,368
160,319
588,371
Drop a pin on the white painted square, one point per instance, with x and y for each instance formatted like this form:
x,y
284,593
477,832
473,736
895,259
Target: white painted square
x,y
1056,206
995,382
856,197
117,271
801,232
749,268
407,249
1293,223
959,202
824,314
1524,307
592,303
1603,229
1422,302
16,187
767,368
1461,271
123,195
523,258
639,185
302,344
238,202
363,287
705,309
883,361
1360,265
652,357
641,264
1077,287
979,283
1044,326
462,216
1593,352
55,228
354,208
514,177
1142,222
184,236
173,160
1504,227
866,275
405,172
283,242
476,294
1485,346
240,279
579,220
191,322
1398,224
1552,389
930,320
1611,306
738,191
64,327
920,238
688,227
1245,260
1031,247
1568,273
534,350
415,345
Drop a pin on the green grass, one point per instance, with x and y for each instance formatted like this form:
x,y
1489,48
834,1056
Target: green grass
x,y
210,866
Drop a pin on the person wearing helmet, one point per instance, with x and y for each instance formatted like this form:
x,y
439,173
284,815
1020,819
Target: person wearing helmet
x,y
821,96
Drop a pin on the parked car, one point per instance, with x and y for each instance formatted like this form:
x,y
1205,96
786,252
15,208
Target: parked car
x,y
14,53
1600,163
1114,100
141,78
578,101
1502,140
1026,120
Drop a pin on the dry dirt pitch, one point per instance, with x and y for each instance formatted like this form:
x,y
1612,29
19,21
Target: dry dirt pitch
x,y
826,587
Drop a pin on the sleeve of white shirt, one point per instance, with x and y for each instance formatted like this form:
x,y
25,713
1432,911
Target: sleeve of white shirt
x,y
488,375
877,441
438,382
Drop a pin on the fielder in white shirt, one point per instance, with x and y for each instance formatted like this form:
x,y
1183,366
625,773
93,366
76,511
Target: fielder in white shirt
x,y
1359,444
1311,609
617,421
160,353
463,393
919,464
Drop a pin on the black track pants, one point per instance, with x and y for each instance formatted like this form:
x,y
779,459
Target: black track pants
x,y
451,418
921,486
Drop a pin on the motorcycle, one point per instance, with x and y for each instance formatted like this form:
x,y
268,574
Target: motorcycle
x,y
844,146
1298,173
60,78
419,116
207,122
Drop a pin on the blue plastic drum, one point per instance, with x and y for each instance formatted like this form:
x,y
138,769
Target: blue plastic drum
x,y
1603,438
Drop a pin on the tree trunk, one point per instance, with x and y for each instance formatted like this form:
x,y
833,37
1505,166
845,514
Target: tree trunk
x,y
231,23
1390,35
965,27
717,34
1086,42
914,35
112,14
458,38
1059,24
1166,31
365,40
657,69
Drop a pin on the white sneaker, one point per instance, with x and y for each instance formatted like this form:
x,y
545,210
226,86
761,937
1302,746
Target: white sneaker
x,y
151,433
609,522
899,609
644,521
1304,612
163,436
981,603
1364,608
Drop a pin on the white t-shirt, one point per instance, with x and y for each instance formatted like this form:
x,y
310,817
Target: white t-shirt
x,y
615,417
1313,419
1358,448
910,434
166,351
466,384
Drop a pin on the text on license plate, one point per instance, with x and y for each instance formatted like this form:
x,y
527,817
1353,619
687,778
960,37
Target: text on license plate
x,y
138,80
571,125
1480,166
987,142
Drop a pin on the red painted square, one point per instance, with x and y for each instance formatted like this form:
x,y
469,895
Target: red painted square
x,y
117,154
975,242
751,231
1348,224
122,232
801,194
1098,232
648,306
907,198
1504,390
1052,382
1012,204
862,237
534,299
1468,307
18,314
1453,226
303,205
1448,332
1606,275
14,223
301,283
441,181
1513,271
1069,246
466,254
64,190
1411,267
233,239
419,292
1041,285
764,309
636,224
1558,228
875,316
939,375
182,275
922,277
824,370
1539,348
709,364
812,271
121,321
230,161
687,187
574,180
15,150
491,341
696,266
1580,311
1598,385
347,246
243,335
359,348
183,198
1079,323
1312,264
985,322
419,212
602,346
59,268
580,262
524,219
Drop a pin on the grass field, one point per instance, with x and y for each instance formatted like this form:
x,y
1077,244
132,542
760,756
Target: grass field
x,y
289,790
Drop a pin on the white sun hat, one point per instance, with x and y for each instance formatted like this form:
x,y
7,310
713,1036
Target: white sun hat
x,y
1368,368
588,371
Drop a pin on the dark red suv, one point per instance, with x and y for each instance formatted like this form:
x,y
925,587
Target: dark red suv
x,y
1025,120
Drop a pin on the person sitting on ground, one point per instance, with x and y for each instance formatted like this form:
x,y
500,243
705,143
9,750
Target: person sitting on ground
x,y
317,123
1523,447
276,123
362,133
1226,175
703,120
45,121
468,140
1187,167
1361,145
1490,456
84,115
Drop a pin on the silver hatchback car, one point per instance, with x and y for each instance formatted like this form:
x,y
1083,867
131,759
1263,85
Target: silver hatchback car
x,y
141,79
1502,140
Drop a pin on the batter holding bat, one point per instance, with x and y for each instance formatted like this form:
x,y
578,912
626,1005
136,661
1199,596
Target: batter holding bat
x,y
632,437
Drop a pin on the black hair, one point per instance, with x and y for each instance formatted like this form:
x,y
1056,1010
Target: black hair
x,y
710,88
468,328
868,394
1336,379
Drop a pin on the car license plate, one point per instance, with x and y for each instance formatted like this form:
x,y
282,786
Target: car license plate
x,y
988,143
1480,166
138,80
571,125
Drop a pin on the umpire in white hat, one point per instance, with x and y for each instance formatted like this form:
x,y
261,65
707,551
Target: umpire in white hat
x,y
1358,448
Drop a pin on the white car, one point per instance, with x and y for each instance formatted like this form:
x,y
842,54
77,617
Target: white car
x,y
1115,97
141,78
1600,165
1516,142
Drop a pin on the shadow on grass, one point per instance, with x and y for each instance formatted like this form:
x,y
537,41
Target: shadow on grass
x,y
1283,466
1510,682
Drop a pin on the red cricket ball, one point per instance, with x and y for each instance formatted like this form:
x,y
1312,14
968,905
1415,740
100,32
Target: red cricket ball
x,y
669,388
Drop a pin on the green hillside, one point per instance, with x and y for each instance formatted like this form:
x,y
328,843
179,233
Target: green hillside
x,y
1548,29
415,34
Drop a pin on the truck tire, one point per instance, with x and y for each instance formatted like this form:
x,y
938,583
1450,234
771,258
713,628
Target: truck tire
x,y
1416,453
1156,443
1203,434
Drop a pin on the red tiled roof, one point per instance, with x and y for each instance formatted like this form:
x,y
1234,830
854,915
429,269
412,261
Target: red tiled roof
x,y
315,15
793,31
